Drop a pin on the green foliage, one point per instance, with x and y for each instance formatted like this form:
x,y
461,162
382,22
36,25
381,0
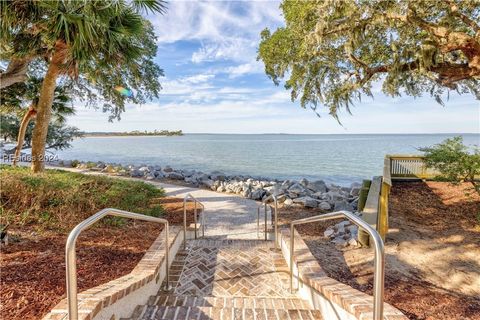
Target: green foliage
x,y
139,133
58,199
59,135
454,161
104,44
332,52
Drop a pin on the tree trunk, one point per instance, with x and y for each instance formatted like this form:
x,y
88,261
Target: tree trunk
x,y
23,129
44,112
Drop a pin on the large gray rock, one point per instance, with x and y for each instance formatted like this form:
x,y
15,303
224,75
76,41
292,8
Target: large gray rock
x,y
174,176
257,194
307,202
342,205
304,182
208,183
135,173
144,169
288,202
296,189
150,176
317,186
217,175
324,205
167,169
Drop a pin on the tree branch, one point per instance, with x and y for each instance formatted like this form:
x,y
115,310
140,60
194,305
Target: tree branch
x,y
454,10
16,72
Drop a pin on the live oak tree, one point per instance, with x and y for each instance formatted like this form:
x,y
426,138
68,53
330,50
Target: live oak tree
x,y
100,44
333,51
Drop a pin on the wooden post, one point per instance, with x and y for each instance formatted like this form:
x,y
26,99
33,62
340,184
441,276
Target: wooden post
x,y
382,224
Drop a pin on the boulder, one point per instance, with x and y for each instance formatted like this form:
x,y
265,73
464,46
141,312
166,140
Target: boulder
x,y
208,183
150,176
167,169
135,173
257,194
317,186
329,232
324,205
217,175
342,205
288,202
296,189
174,176
304,182
307,202
144,169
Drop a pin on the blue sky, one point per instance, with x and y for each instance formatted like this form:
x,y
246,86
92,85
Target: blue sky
x,y
214,84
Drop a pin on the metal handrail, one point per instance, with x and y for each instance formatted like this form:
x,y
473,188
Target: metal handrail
x,y
379,275
71,256
275,217
188,197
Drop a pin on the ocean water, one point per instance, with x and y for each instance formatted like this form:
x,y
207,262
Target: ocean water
x,y
337,159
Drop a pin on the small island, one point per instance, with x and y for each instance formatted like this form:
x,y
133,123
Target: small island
x,y
136,133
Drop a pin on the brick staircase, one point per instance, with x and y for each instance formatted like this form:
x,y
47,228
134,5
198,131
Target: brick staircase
x,y
227,279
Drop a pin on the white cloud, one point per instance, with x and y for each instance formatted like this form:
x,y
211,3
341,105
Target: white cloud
x,y
225,31
245,68
199,78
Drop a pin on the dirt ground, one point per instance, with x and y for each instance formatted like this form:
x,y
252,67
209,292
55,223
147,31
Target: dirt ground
x,y
432,251
32,266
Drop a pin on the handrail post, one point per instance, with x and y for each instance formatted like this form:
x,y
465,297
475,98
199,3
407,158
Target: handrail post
x,y
167,286
276,221
292,244
71,256
379,262
203,221
195,217
71,266
185,223
266,222
258,222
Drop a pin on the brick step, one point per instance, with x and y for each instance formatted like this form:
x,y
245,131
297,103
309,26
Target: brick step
x,y
209,313
214,242
229,302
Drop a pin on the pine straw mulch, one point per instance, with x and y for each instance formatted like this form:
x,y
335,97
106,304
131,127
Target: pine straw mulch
x,y
32,267
432,251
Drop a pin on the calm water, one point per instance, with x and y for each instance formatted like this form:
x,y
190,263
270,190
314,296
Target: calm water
x,y
334,158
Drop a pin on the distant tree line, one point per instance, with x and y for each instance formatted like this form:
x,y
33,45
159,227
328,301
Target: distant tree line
x,y
138,133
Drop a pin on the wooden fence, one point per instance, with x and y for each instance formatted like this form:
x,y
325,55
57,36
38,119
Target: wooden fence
x,y
408,167
398,167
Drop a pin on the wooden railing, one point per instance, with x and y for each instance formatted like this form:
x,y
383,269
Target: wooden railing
x,y
396,167
409,167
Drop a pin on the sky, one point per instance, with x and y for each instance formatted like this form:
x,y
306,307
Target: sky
x,y
214,84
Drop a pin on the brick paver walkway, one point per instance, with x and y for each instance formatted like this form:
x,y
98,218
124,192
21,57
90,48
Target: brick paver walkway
x,y
232,269
228,279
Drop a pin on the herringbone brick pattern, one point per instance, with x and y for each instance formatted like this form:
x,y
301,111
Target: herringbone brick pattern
x,y
247,268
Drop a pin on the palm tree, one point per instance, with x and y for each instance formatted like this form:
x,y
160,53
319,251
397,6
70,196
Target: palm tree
x,y
22,98
76,38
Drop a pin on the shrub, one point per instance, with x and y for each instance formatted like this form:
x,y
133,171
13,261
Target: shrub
x,y
454,161
59,200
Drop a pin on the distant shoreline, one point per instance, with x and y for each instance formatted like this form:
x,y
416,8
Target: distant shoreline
x,y
163,133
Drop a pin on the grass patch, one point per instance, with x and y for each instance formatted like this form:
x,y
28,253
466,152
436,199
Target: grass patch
x,y
58,200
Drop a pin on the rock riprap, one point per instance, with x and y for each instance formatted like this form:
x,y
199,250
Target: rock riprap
x,y
303,193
